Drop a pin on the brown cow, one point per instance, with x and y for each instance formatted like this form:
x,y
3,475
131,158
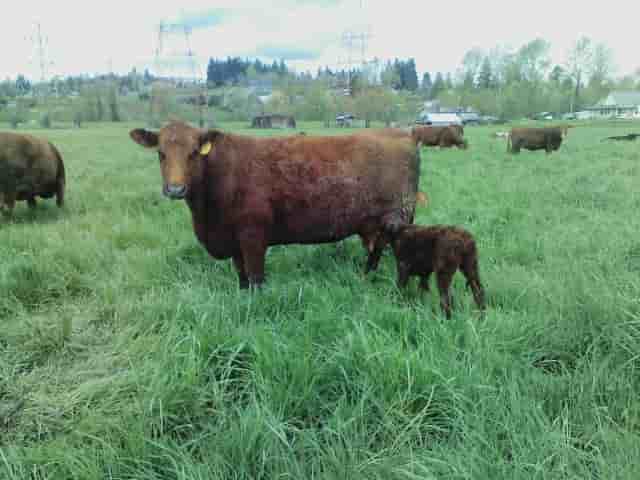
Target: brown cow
x,y
248,193
30,167
442,249
548,138
443,137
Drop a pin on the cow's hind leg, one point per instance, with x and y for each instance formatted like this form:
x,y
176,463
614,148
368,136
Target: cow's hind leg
x,y
9,203
60,193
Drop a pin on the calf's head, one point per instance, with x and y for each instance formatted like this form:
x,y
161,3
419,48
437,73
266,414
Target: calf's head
x,y
181,151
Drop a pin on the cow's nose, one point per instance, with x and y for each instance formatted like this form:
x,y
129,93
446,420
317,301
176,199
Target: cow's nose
x,y
175,191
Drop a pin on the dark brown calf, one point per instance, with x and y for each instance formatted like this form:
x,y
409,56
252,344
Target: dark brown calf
x,y
442,249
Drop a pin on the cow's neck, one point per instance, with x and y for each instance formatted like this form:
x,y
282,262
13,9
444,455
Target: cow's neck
x,y
203,198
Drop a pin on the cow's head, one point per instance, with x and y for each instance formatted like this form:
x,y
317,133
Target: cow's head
x,y
181,150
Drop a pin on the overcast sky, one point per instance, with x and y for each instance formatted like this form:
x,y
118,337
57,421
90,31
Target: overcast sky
x,y
95,36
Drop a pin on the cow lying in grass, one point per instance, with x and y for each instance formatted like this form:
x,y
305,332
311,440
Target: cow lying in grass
x,y
442,249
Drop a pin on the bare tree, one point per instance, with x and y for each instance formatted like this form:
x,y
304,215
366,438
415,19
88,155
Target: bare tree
x,y
602,64
579,64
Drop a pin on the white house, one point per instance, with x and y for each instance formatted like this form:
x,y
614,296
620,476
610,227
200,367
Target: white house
x,y
618,103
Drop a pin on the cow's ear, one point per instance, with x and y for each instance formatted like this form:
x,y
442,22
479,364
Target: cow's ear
x,y
208,140
144,137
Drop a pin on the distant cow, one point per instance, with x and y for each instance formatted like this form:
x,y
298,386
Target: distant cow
x,y
549,139
443,137
248,193
442,249
30,167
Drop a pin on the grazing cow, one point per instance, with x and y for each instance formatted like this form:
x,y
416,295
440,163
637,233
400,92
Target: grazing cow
x,y
30,167
443,137
248,193
441,249
548,138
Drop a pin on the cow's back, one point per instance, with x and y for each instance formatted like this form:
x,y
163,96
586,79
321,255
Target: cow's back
x,y
27,163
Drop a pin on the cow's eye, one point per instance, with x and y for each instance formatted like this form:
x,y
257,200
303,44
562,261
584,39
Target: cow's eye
x,y
162,156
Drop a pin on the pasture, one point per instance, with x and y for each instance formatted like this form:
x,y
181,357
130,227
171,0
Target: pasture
x,y
126,352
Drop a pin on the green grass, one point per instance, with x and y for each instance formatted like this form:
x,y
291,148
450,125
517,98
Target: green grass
x,y
126,352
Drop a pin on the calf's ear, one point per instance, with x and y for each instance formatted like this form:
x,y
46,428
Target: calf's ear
x,y
207,141
144,137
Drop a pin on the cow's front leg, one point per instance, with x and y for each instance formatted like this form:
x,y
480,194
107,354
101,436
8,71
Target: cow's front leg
x,y
253,246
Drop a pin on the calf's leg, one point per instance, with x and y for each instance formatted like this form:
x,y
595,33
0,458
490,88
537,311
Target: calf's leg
x,y
424,281
444,283
403,274
469,269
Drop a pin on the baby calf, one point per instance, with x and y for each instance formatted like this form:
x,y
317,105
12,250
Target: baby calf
x,y
441,249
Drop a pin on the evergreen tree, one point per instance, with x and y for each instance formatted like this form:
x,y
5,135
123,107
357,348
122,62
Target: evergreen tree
x,y
411,76
426,84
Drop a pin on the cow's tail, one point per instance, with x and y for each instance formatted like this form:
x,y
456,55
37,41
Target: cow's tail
x,y
60,177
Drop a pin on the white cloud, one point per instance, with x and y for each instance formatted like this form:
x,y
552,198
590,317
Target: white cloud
x,y
85,36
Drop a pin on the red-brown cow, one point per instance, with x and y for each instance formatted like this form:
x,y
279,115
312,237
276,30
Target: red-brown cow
x,y
248,193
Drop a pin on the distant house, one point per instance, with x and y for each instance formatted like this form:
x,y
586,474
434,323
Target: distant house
x,y
618,103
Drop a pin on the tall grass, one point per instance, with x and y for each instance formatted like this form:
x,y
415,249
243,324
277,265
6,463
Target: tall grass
x,y
126,352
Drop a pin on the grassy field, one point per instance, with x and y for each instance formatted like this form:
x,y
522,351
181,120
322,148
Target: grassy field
x,y
126,352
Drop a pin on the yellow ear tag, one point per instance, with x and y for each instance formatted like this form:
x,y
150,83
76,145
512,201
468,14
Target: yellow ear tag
x,y
206,148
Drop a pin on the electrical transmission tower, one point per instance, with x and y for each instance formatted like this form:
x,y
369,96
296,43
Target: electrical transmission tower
x,y
355,41
171,63
40,45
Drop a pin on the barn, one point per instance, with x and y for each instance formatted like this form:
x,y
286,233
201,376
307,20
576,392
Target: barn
x,y
274,120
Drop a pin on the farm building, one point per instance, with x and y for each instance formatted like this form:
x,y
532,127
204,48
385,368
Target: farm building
x,y
618,103
273,121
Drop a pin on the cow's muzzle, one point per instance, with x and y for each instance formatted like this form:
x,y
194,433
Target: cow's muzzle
x,y
175,192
